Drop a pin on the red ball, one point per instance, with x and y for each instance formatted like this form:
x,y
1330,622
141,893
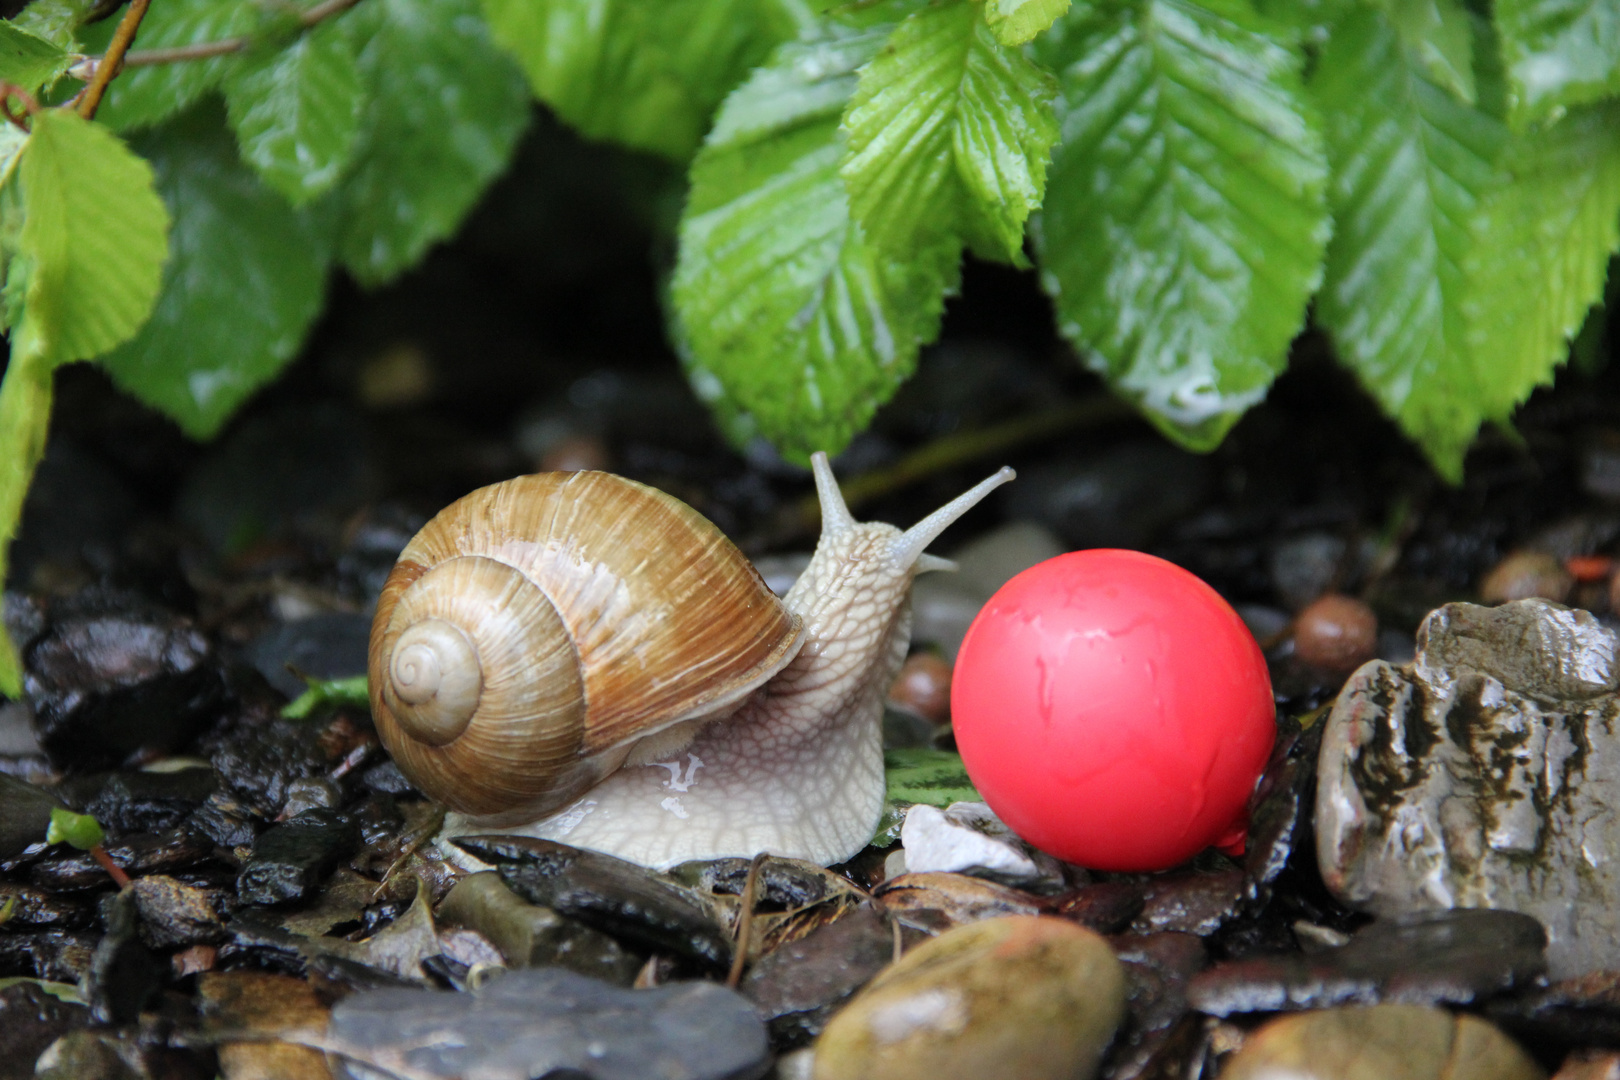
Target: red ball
x,y
1114,711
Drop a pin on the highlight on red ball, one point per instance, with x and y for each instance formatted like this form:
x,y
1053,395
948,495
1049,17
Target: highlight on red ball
x,y
1114,711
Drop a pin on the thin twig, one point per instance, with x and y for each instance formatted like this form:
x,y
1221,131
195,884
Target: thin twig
x,y
29,104
204,50
740,955
110,64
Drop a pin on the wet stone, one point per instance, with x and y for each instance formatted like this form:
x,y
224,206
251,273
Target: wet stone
x,y
175,914
25,812
1279,808
1450,957
1196,903
968,838
636,905
150,801
137,854
224,822
1106,906
327,646
30,1020
104,684
290,860
38,907
259,756
529,935
1382,1042
1483,776
551,1022
1157,969
90,1055
1018,996
797,987
936,902
1583,1011
311,793
54,955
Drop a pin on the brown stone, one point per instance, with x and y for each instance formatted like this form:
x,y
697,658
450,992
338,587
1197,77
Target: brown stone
x,y
1380,1042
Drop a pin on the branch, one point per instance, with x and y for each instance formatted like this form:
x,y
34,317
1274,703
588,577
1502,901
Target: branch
x,y
108,66
204,50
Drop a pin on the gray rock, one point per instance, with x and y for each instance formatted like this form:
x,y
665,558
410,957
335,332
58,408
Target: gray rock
x,y
551,1022
1485,775
968,838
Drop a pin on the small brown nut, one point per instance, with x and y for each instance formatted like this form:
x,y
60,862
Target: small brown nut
x,y
1336,633
924,686
1526,574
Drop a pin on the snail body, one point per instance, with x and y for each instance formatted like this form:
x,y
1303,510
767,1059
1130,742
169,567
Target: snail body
x,y
768,740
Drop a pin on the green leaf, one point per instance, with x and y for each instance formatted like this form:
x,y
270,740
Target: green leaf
x,y
30,61
1559,53
949,132
296,111
1411,164
80,830
57,21
1440,36
791,322
445,109
25,415
142,96
94,236
1183,232
323,695
1016,22
923,775
244,284
1540,257
648,75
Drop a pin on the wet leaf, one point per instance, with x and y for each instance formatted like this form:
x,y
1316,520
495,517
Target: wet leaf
x,y
325,694
1184,227
1016,22
29,61
79,830
143,96
1559,53
924,775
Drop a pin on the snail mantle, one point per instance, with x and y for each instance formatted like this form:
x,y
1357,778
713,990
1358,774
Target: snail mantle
x,y
582,658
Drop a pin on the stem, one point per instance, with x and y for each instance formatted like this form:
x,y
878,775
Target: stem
x,y
116,872
114,60
25,417
205,50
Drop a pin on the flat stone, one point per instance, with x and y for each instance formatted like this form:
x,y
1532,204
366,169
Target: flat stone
x,y
1018,997
1447,957
256,1005
1192,903
150,801
137,854
1157,970
1105,906
797,987
39,907
935,902
551,1022
290,860
529,935
1380,1042
1483,776
105,683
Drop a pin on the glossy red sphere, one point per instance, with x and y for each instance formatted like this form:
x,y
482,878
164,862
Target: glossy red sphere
x,y
1114,711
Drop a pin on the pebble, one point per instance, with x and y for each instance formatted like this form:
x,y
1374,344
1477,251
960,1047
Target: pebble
x,y
1483,775
290,860
529,935
1380,1042
1190,903
1157,969
1336,633
150,801
1524,575
924,686
935,902
968,838
138,854
25,813
630,902
1017,996
551,1022
175,914
1447,957
117,678
311,793
799,985
30,1020
53,955
1106,906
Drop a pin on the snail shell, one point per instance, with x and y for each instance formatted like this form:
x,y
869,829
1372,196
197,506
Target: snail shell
x,y
536,630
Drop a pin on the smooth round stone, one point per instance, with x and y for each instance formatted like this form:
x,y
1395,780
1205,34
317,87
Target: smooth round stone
x,y
1021,995
1380,1042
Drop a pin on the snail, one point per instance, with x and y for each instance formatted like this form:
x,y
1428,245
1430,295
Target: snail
x,y
583,658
